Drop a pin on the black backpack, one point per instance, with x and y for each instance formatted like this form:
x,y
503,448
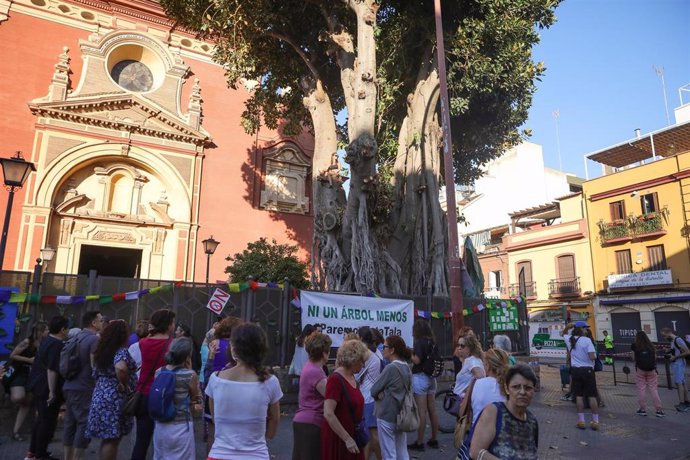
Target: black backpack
x,y
433,364
645,359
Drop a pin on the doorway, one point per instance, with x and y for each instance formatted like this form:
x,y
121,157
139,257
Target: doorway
x,y
107,261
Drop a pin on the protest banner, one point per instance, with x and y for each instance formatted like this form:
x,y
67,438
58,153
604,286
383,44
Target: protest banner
x,y
339,314
217,301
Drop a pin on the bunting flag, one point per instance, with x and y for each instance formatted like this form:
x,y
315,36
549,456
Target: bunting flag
x,y
8,296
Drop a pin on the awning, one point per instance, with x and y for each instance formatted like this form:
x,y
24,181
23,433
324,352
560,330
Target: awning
x,y
665,142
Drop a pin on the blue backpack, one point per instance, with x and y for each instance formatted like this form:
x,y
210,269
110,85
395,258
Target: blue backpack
x,y
162,407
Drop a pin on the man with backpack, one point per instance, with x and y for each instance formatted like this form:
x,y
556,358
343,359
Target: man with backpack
x,y
75,367
45,383
678,354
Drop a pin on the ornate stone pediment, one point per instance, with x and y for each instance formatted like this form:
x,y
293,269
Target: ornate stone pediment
x,y
122,112
286,172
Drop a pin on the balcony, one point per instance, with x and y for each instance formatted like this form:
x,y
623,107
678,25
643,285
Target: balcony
x,y
493,292
648,225
614,232
530,290
564,287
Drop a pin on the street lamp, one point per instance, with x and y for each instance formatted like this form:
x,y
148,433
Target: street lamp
x,y
210,246
47,255
15,170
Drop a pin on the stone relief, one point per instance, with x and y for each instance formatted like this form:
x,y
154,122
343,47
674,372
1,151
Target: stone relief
x,y
285,182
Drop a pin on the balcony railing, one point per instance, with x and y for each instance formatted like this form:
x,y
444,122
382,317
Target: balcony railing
x,y
646,225
530,290
494,292
618,229
564,287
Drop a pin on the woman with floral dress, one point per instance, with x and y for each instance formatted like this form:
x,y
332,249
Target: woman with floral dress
x,y
115,374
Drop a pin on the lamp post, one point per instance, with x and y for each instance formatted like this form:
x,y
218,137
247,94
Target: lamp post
x,y
454,261
47,255
15,170
210,246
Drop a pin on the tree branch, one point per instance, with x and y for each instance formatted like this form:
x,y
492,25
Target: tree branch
x,y
298,50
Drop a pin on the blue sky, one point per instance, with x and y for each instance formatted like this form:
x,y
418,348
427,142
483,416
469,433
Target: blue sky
x,y
600,57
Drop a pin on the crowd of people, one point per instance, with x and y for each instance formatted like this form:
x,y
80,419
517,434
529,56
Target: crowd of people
x,y
112,381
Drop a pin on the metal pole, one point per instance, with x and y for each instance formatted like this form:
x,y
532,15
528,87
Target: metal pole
x,y
454,262
284,321
208,265
6,226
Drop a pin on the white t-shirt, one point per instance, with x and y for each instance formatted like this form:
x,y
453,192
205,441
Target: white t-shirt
x,y
579,356
368,375
240,410
485,392
464,377
135,353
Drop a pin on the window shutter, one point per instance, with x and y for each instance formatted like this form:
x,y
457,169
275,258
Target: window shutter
x,y
657,258
623,261
566,267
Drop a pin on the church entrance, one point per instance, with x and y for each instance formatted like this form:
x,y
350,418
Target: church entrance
x,y
109,261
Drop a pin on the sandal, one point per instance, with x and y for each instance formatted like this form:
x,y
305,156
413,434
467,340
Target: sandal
x,y
17,437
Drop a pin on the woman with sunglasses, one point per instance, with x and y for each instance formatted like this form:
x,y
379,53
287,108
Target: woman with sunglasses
x,y
506,430
470,352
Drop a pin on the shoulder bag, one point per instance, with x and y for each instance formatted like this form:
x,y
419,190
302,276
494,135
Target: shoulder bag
x,y
361,434
133,400
408,417
462,426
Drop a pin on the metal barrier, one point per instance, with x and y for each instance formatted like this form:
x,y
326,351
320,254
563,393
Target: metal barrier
x,y
270,307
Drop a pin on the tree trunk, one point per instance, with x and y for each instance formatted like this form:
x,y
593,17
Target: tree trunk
x,y
418,238
329,267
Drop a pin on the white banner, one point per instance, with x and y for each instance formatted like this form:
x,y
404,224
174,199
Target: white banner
x,y
339,314
653,278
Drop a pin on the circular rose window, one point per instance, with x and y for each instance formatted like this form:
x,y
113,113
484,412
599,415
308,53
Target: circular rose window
x,y
132,75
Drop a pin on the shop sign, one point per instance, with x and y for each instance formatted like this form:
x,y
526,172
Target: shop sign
x,y
628,280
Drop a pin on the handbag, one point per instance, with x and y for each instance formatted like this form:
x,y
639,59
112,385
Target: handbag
x,y
8,377
361,434
464,423
133,400
131,405
451,403
598,365
408,417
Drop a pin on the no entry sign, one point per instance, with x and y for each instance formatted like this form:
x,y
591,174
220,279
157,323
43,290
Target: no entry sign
x,y
217,301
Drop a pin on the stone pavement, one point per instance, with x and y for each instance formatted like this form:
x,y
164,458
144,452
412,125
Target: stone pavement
x,y
623,434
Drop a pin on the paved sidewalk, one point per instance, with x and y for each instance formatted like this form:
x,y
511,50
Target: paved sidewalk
x,y
623,434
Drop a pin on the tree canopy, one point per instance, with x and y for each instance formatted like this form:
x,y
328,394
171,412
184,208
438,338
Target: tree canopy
x,y
311,59
265,261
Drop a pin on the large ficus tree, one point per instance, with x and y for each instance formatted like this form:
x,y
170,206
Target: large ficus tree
x,y
310,59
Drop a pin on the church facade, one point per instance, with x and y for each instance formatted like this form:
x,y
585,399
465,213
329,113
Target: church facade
x,y
138,146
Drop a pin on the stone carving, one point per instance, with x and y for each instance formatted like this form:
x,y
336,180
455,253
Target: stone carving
x,y
60,81
66,227
119,237
285,181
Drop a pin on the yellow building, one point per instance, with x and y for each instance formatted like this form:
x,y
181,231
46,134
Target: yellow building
x,y
550,265
639,218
